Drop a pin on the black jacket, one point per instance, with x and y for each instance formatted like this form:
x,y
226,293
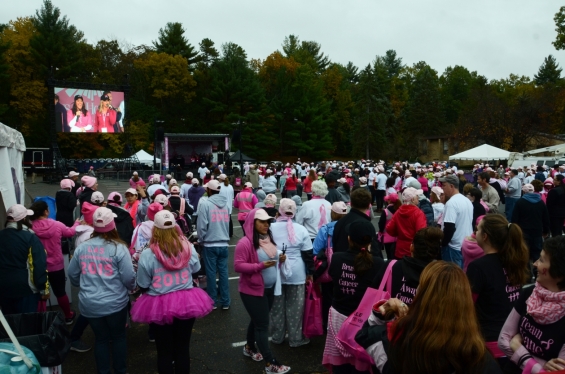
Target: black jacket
x,y
340,236
66,203
533,218
124,224
426,208
556,202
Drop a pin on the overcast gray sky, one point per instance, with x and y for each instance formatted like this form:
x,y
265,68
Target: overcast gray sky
x,y
493,37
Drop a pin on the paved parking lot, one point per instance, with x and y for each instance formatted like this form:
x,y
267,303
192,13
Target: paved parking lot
x,y
217,339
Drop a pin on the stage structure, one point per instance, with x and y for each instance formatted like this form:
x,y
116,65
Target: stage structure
x,y
188,150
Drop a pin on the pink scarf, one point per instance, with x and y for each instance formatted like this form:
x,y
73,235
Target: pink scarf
x,y
289,227
546,307
178,262
268,247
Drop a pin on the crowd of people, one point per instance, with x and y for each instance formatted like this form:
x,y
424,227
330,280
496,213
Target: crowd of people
x,y
468,289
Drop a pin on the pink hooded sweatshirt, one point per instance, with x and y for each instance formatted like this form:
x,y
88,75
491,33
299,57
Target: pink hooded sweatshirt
x,y
50,233
471,251
246,261
244,202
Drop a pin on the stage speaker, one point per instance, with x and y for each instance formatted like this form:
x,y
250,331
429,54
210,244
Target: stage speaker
x,y
236,137
160,134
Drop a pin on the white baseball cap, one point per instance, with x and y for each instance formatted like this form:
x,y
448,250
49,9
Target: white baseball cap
x,y
214,185
18,212
132,191
164,220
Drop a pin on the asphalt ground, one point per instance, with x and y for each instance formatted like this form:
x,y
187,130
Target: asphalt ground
x,y
217,339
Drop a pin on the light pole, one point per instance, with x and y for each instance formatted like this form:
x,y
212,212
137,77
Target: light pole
x,y
239,125
155,140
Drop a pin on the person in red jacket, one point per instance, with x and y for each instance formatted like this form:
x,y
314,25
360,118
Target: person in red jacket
x,y
406,222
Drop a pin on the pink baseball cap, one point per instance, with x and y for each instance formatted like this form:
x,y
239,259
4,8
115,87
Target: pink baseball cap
x,y
194,181
73,174
262,215
67,183
339,207
410,193
437,190
103,220
287,207
97,197
18,212
248,184
214,185
222,177
132,191
153,209
391,198
161,199
164,220
111,197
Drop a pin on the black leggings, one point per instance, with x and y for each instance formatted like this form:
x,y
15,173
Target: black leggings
x,y
57,282
258,308
556,226
173,344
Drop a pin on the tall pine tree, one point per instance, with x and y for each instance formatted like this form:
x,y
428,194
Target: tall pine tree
x,y
549,72
171,40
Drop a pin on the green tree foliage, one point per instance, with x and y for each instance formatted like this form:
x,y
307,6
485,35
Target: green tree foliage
x,y
55,44
559,19
392,62
171,40
549,72
236,95
456,84
305,52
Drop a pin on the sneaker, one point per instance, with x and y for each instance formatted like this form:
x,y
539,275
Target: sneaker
x,y
80,346
215,307
70,320
275,367
300,343
226,307
248,352
151,340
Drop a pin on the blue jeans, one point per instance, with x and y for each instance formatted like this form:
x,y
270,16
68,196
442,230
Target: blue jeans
x,y
509,207
452,255
216,261
110,328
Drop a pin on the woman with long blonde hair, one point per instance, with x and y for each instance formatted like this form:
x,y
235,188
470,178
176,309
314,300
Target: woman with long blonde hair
x,y
170,303
438,333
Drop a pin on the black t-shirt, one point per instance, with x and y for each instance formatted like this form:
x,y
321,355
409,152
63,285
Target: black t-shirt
x,y
543,341
405,278
496,296
348,287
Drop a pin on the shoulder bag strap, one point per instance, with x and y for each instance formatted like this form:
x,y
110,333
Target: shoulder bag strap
x,y
387,277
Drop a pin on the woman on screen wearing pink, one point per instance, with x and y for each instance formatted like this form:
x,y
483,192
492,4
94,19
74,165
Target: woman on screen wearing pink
x,y
105,117
78,117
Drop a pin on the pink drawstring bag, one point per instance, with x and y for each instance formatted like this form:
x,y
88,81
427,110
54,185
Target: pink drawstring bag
x,y
312,321
354,323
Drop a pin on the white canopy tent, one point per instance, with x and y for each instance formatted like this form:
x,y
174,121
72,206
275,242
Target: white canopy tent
x,y
483,152
146,158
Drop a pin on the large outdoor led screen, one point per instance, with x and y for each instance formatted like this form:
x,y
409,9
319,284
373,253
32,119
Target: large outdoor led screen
x,y
89,111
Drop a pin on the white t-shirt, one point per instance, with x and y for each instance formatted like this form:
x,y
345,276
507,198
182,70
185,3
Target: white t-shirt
x,y
371,178
302,243
381,181
202,172
309,215
458,210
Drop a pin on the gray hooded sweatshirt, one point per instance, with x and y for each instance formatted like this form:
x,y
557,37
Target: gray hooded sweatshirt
x,y
104,272
213,222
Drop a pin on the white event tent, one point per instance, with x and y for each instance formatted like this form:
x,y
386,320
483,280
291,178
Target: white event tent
x,y
146,158
483,152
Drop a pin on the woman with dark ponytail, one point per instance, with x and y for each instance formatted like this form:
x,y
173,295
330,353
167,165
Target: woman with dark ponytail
x,y
497,277
425,248
352,273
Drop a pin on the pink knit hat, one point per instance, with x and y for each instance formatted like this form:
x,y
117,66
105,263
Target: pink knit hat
x,y
88,181
153,209
67,183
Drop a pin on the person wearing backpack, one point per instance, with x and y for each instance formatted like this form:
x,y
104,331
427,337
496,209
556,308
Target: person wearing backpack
x,y
182,209
323,250
388,241
352,272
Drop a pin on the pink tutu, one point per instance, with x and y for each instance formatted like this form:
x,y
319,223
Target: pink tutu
x,y
162,309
